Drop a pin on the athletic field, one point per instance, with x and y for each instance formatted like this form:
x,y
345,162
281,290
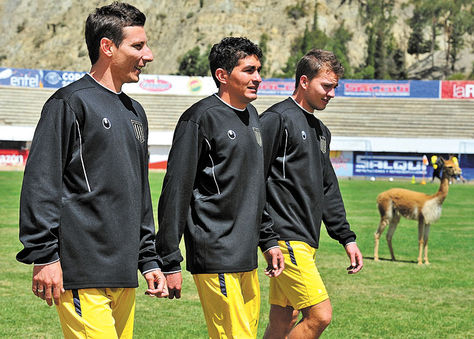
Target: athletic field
x,y
385,300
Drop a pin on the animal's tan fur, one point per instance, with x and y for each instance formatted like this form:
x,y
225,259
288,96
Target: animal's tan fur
x,y
398,202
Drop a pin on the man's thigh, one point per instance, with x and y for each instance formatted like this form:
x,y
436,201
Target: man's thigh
x,y
230,302
97,313
300,284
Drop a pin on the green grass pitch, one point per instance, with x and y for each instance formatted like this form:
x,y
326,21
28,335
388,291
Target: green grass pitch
x,y
385,300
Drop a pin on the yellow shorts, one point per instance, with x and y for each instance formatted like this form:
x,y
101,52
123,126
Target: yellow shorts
x,y
97,313
299,285
231,303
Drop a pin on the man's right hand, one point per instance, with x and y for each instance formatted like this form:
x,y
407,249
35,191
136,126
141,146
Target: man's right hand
x,y
174,281
48,282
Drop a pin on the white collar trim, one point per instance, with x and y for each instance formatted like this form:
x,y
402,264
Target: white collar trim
x,y
312,113
104,86
237,109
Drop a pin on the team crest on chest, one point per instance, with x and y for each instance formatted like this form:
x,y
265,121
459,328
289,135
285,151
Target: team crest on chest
x,y
138,129
303,135
106,123
323,144
231,134
258,135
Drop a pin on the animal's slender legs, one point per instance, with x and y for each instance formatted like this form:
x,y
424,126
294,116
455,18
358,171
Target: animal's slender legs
x,y
383,223
421,228
391,229
425,238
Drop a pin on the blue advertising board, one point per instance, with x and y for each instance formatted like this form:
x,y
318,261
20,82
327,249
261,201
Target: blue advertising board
x,y
386,164
18,77
389,88
404,164
57,79
363,88
276,87
32,78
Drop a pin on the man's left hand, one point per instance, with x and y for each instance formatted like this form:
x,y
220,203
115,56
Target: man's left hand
x,y
156,284
355,257
275,262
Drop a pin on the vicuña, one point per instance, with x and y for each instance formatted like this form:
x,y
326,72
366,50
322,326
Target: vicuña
x,y
397,202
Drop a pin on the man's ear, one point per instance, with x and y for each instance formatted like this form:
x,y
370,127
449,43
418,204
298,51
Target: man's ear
x,y
222,75
106,46
304,82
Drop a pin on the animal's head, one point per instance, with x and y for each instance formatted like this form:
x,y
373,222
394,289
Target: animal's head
x,y
451,168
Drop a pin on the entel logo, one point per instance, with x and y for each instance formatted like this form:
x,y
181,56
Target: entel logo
x,y
155,85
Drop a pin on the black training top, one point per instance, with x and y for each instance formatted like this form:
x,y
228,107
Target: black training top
x,y
85,198
214,191
302,188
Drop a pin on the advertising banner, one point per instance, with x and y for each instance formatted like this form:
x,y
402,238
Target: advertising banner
x,y
17,77
158,161
203,86
32,78
388,88
13,158
284,87
384,164
172,84
342,161
58,79
457,89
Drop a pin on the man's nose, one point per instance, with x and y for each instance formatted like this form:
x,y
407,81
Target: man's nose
x,y
331,93
148,54
257,77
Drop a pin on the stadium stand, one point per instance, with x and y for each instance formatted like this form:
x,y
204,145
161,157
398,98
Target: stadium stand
x,y
354,117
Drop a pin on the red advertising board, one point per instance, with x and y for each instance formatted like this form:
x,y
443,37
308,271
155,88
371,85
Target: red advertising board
x,y
158,165
457,89
13,158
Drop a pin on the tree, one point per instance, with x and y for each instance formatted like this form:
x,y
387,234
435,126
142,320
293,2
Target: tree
x,y
459,21
416,42
378,18
338,45
396,66
315,38
310,39
432,11
454,17
264,38
193,63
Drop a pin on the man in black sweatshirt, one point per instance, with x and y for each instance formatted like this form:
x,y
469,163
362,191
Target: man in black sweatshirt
x,y
302,191
214,194
86,219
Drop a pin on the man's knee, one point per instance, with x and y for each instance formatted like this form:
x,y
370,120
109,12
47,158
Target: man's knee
x,y
280,322
319,316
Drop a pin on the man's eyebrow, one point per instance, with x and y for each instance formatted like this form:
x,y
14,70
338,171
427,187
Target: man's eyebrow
x,y
328,83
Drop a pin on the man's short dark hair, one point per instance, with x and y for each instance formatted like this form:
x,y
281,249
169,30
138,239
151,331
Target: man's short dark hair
x,y
316,60
227,53
108,22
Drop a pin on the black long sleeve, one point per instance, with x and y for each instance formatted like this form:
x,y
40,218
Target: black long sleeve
x,y
214,191
302,188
